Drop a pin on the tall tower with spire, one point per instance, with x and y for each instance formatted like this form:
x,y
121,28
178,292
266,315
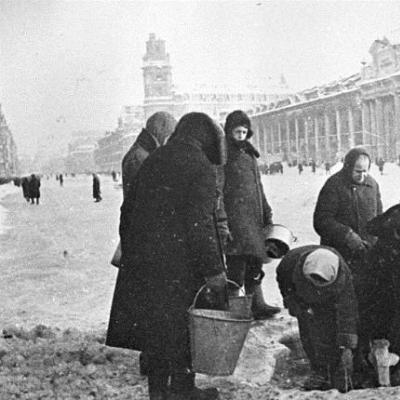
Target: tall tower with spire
x,y
157,77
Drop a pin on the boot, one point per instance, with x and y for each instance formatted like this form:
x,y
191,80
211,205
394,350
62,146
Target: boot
x,y
183,388
261,310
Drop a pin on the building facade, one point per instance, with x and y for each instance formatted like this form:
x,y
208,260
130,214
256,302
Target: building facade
x,y
8,150
323,123
160,95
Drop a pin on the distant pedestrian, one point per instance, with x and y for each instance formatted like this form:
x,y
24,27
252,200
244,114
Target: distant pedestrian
x,y
25,188
381,163
300,167
327,167
61,179
34,189
96,188
114,176
313,166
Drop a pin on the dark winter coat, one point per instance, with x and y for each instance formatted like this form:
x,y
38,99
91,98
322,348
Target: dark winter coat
x,y
133,159
343,205
327,315
385,293
96,187
25,186
245,203
34,187
171,244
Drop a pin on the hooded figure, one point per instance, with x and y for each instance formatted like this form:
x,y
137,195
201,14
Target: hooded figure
x,y
156,133
316,286
169,251
248,212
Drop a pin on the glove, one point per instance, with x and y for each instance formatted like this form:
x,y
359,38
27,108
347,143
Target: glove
x,y
224,234
216,291
354,242
346,359
216,283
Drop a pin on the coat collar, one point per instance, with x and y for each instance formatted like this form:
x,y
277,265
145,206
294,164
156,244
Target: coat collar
x,y
244,146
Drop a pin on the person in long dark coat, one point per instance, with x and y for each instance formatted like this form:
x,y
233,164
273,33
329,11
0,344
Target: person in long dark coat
x,y
248,213
96,188
316,286
347,201
159,128
34,189
25,188
170,248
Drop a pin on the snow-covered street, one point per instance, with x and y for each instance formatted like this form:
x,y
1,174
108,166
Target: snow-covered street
x,y
55,266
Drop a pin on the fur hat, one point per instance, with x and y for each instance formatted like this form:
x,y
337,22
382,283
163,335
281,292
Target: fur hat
x,y
321,267
235,119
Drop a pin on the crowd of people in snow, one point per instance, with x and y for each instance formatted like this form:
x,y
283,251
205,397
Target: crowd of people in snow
x,y
194,213
31,186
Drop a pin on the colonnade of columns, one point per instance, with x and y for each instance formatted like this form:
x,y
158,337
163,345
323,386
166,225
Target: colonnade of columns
x,y
325,131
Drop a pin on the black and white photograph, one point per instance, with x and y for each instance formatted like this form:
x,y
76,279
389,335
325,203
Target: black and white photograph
x,y
199,200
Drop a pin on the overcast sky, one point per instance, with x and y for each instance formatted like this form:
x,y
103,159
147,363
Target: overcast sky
x,y
72,65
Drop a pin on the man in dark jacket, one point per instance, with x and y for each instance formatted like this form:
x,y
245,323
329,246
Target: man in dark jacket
x,y
347,201
316,287
248,213
169,251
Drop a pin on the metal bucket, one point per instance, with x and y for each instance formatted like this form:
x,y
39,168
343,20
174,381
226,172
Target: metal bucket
x,y
216,339
281,237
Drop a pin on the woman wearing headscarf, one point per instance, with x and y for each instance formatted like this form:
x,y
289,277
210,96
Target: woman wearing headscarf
x,y
316,286
346,202
248,213
169,251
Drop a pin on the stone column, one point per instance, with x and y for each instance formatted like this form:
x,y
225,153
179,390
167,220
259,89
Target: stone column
x,y
265,132
327,133
373,141
306,138
316,136
379,127
296,129
365,119
338,132
396,120
351,127
289,147
279,137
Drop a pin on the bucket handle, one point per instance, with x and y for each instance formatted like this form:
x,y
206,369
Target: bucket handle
x,y
199,291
